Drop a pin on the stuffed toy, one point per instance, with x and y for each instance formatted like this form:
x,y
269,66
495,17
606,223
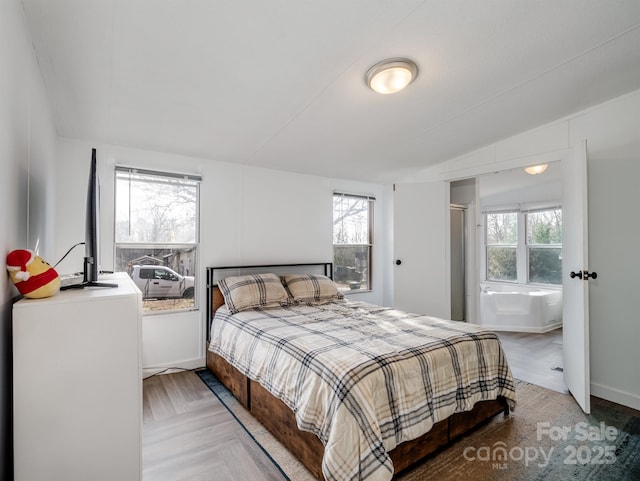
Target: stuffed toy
x,y
32,275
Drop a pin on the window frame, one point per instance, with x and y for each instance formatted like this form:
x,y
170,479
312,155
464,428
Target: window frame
x,y
528,245
522,246
487,246
368,245
193,247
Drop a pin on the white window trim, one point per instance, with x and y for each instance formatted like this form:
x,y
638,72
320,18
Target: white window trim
x,y
522,247
371,200
146,245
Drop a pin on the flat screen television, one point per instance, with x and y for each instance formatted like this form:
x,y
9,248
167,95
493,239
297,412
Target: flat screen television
x,y
91,267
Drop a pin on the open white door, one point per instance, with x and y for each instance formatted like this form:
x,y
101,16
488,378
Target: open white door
x,y
421,248
575,272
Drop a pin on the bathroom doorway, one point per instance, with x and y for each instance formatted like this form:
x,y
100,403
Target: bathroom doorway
x,y
458,243
463,247
534,349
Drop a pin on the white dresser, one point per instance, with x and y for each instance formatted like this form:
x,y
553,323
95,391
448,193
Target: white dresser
x,y
77,385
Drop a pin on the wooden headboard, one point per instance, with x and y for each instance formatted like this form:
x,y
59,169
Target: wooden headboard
x,y
217,300
215,274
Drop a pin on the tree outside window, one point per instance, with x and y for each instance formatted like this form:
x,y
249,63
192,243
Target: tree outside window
x,y
352,241
502,243
524,247
544,246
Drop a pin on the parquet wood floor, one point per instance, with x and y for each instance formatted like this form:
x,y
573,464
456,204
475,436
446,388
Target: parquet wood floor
x,y
188,435
535,357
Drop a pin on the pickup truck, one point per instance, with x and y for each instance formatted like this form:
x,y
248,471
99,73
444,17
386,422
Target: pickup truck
x,y
160,282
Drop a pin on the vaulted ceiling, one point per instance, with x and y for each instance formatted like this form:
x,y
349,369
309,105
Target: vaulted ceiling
x,y
280,83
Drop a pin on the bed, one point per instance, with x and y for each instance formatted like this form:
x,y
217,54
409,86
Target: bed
x,y
353,390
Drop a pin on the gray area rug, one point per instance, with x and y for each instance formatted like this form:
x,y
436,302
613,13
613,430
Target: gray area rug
x,y
546,438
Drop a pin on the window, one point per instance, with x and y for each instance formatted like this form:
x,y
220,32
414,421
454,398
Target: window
x,y
544,246
502,244
156,236
524,247
352,240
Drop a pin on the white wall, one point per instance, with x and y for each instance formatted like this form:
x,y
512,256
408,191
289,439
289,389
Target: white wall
x,y
27,140
248,215
612,131
516,187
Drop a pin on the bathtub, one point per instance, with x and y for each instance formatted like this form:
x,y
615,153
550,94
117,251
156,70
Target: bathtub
x,y
520,308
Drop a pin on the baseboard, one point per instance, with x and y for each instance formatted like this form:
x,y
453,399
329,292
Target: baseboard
x,y
516,328
616,395
188,364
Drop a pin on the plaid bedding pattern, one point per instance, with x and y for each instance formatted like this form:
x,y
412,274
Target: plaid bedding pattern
x,y
253,291
312,288
363,378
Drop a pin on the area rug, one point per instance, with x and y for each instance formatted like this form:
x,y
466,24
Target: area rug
x,y
547,438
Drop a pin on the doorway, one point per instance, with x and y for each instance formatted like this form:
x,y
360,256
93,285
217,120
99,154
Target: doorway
x,y
534,349
458,243
462,246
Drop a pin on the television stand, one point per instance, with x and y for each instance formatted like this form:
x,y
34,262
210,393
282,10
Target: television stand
x,y
88,272
84,284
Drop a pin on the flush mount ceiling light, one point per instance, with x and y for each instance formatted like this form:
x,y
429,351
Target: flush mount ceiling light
x,y
391,75
536,169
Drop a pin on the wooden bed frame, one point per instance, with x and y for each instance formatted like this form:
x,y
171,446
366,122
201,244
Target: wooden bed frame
x,y
280,420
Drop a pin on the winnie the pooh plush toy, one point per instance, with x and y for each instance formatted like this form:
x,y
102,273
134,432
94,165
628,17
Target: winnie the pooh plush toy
x,y
32,275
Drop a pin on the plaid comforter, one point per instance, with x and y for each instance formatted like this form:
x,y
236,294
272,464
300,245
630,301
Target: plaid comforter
x,y
363,378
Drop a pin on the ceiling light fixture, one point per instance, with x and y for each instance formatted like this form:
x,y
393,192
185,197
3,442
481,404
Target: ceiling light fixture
x,y
391,75
536,169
